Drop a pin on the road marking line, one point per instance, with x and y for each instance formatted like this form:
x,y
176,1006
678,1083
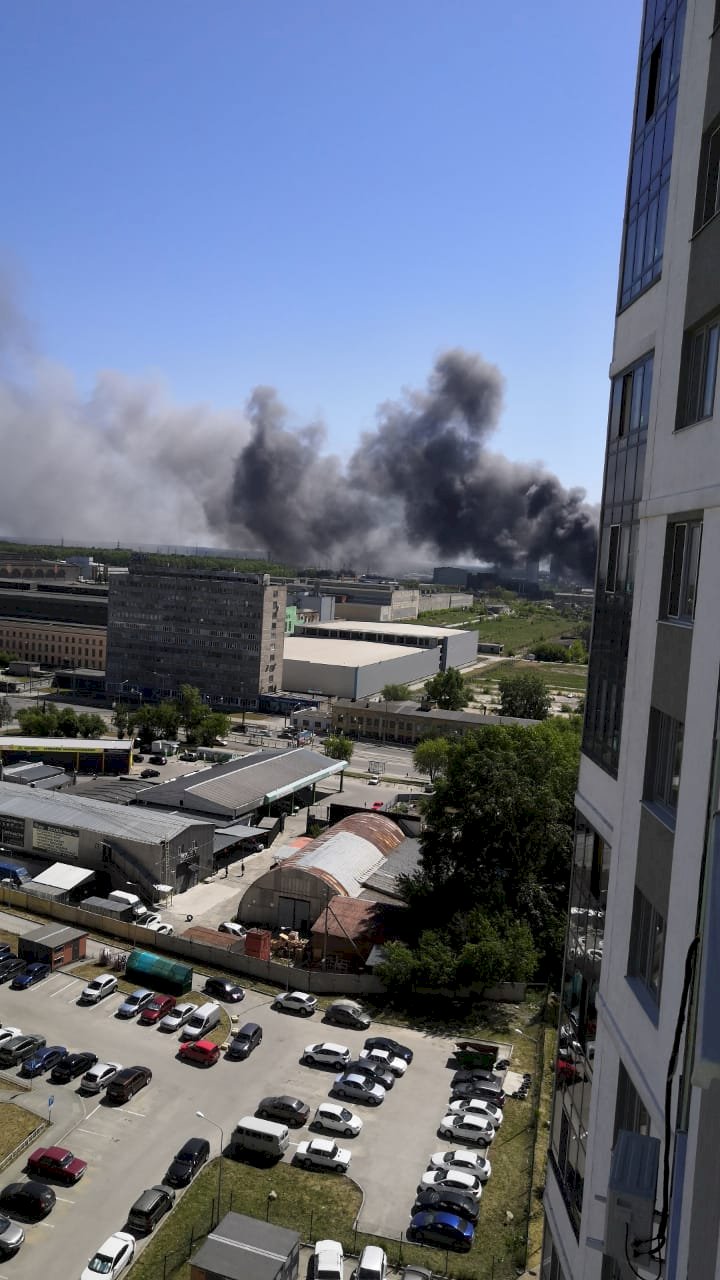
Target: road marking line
x,y
127,1112
59,993
64,1199
98,1134
92,1113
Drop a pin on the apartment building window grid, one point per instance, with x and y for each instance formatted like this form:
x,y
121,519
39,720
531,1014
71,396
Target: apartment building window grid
x,y
663,764
578,1017
681,567
698,374
652,147
630,398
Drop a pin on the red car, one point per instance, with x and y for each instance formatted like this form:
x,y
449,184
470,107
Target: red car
x,y
202,1052
58,1163
156,1009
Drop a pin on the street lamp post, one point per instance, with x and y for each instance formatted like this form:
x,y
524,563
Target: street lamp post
x,y
202,1116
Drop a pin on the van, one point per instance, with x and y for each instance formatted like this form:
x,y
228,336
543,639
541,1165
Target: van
x,y
263,1137
130,900
202,1021
150,1207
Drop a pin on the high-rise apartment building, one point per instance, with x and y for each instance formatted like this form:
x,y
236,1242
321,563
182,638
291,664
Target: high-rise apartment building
x,y
222,632
637,1089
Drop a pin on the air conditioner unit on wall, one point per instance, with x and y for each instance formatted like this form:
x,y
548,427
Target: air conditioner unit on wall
x,y
632,1189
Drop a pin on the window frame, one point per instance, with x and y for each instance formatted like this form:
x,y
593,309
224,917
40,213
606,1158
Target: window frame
x,y
646,950
698,386
682,567
663,765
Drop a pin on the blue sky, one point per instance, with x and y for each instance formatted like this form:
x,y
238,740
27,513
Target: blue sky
x,y
324,195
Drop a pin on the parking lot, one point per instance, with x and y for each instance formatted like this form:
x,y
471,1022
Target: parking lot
x,y
128,1148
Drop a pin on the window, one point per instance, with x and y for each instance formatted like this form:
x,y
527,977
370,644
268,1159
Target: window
x,y
612,564
682,558
709,185
698,375
664,761
630,1112
647,945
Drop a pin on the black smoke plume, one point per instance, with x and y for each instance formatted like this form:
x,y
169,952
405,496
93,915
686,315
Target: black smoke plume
x,y
123,462
424,481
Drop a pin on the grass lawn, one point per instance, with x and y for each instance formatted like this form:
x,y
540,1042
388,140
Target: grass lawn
x,y
16,1124
565,677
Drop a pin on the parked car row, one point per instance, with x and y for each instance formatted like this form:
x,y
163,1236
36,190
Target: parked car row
x,y
447,1200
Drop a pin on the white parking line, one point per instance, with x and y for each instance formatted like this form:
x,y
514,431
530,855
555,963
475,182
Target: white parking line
x,y
96,1132
127,1112
65,988
64,1199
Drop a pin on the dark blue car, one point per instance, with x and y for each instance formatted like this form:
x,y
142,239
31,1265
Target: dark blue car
x,y
43,1060
34,973
445,1230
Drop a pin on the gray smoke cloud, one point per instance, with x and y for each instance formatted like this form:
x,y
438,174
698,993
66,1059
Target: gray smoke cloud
x,y
124,462
424,480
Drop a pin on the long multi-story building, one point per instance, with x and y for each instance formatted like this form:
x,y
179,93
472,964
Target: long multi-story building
x,y
220,631
54,625
633,1185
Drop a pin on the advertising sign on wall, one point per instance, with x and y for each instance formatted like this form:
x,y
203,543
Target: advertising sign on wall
x,y
12,831
63,841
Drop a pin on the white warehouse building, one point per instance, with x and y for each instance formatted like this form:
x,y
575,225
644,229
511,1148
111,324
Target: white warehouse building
x,y
357,669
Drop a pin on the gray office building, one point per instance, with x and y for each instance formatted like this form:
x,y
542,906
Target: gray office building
x,y
220,631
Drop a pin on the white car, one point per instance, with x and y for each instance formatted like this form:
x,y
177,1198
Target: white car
x,y
468,1161
372,1264
295,1002
99,1076
326,1054
158,927
231,926
99,988
468,1128
336,1119
328,1260
452,1180
382,1058
359,1088
177,1017
478,1107
323,1153
373,781
8,1033
111,1258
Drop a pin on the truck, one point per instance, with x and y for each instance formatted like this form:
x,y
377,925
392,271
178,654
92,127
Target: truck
x,y
162,748
106,907
14,873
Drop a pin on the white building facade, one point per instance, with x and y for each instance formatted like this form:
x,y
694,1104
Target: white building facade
x,y
638,964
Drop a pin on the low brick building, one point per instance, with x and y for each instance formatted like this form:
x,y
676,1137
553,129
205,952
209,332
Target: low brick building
x,y
53,944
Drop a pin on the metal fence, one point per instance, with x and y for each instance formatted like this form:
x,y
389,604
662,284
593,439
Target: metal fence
x,y
26,1142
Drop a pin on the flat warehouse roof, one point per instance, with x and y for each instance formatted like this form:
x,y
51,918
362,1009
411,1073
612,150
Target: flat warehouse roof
x,y
342,653
62,875
384,628
68,810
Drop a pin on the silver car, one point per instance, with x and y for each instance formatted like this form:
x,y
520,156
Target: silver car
x,y
359,1088
177,1017
102,986
11,1237
135,1003
99,1076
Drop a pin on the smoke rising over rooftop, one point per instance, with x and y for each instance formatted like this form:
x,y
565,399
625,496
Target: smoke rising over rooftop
x,y
125,460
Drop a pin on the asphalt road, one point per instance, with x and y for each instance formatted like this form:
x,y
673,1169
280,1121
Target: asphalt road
x,y
129,1148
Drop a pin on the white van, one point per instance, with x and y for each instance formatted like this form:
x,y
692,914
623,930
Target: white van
x,y
129,900
202,1021
264,1137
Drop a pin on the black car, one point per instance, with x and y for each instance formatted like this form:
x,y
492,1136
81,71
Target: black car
x,y
150,773
191,1157
72,1065
224,989
30,1200
10,968
390,1046
346,1013
158,759
288,1110
246,1039
371,1071
480,1089
431,1199
6,952
476,1075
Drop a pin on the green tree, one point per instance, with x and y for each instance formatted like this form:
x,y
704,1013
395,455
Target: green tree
x,y
397,970
168,720
524,694
550,651
448,690
121,719
6,657
430,756
7,715
339,747
191,711
33,724
498,836
213,726
91,725
396,693
577,652
67,722
145,723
